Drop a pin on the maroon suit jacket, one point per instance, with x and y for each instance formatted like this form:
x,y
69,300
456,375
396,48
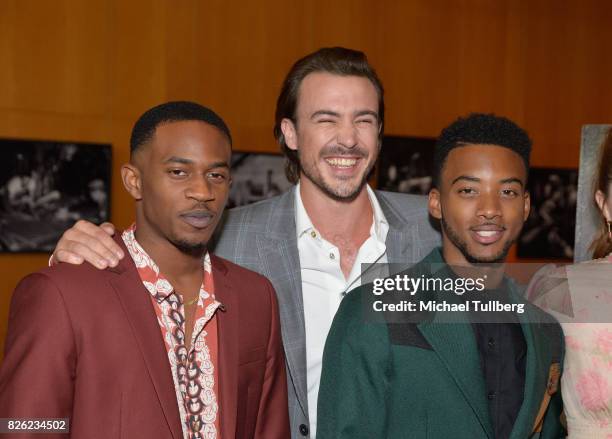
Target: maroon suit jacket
x,y
85,344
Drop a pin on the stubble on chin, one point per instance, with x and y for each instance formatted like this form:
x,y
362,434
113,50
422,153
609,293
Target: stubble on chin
x,y
345,191
193,249
460,244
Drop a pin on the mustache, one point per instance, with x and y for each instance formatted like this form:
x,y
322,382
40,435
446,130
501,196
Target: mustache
x,y
489,224
337,150
199,211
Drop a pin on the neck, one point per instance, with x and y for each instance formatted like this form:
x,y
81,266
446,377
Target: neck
x,y
337,218
493,272
172,262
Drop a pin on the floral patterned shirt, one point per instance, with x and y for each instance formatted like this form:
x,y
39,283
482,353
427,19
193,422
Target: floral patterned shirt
x,y
194,372
580,297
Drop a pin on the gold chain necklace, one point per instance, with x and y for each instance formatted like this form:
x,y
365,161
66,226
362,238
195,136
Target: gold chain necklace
x,y
192,301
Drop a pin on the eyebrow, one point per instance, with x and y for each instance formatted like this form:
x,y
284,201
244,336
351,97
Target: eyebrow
x,y
219,165
512,180
324,113
180,160
336,114
184,161
477,180
367,113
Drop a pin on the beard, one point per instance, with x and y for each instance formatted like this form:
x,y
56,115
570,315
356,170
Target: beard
x,y
454,237
345,190
194,249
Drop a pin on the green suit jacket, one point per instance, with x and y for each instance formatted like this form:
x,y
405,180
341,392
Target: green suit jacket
x,y
424,380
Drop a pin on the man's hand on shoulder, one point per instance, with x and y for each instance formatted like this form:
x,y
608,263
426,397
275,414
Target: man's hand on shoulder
x,y
87,242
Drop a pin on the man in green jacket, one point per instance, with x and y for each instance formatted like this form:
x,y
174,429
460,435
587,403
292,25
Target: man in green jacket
x,y
396,368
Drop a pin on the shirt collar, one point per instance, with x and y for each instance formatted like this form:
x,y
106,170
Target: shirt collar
x,y
303,224
154,281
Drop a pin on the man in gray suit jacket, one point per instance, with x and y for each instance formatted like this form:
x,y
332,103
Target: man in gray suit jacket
x,y
311,241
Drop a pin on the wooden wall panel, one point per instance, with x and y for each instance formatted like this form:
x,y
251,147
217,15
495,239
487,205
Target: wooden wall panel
x,y
566,64
244,52
83,71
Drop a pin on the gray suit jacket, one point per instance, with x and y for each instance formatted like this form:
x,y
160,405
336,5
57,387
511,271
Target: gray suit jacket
x,y
262,237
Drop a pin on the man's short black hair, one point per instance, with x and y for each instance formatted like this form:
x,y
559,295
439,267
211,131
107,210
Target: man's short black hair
x,y
175,111
480,129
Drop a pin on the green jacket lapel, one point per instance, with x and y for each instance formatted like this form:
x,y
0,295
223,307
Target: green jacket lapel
x,y
455,345
539,360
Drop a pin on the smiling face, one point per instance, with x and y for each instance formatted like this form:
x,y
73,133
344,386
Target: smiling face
x,y
181,181
336,133
481,202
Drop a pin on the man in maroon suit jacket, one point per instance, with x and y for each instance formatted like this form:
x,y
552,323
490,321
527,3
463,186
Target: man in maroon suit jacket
x,y
124,360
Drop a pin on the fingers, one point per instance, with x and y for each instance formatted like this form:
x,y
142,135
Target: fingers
x,y
99,238
108,228
73,252
66,256
87,242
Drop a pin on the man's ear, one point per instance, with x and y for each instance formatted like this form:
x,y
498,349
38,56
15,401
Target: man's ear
x,y
600,199
527,205
132,181
289,133
434,204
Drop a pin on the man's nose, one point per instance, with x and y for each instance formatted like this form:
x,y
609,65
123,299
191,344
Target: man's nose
x,y
347,135
200,190
489,206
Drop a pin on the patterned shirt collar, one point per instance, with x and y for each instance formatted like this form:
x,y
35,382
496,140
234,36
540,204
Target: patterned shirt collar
x,y
159,287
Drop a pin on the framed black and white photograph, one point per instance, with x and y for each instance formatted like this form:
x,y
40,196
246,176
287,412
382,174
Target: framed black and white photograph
x,y
549,231
255,177
46,186
405,164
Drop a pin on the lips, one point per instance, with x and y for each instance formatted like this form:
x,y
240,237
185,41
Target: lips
x,y
200,219
487,234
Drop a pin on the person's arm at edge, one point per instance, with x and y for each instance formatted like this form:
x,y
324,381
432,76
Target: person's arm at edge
x,y
273,413
85,241
354,382
38,371
552,427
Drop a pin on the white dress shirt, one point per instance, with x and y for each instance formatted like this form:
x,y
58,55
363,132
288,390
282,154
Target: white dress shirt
x,y
324,285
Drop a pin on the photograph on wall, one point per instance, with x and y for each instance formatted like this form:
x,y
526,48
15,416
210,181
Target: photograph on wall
x,y
255,177
549,231
405,164
46,186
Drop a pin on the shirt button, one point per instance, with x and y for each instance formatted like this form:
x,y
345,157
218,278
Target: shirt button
x,y
304,429
313,234
491,343
332,256
492,395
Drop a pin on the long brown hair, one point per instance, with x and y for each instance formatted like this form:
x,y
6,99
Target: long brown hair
x,y
602,244
335,60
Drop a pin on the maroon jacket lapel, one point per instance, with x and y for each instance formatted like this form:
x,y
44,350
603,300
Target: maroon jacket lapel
x,y
137,305
227,321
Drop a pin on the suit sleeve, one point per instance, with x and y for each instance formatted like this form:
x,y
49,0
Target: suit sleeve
x,y
352,396
38,371
273,413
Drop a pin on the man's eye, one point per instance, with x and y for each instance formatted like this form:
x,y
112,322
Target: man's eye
x,y
509,193
217,176
177,172
325,121
467,191
365,121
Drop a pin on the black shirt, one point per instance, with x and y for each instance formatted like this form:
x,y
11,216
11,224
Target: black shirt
x,y
503,353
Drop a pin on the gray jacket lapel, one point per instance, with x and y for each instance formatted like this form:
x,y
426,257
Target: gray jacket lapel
x,y
280,262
